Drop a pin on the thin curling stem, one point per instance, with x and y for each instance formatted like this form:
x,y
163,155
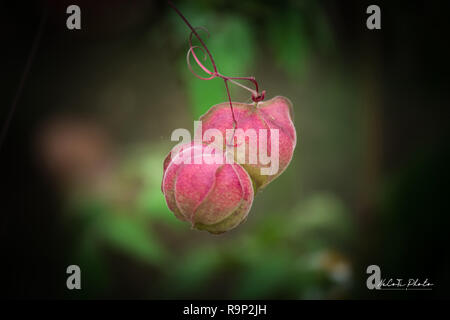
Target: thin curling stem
x,y
195,33
256,96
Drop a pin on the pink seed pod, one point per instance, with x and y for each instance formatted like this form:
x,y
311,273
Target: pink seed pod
x,y
276,113
212,196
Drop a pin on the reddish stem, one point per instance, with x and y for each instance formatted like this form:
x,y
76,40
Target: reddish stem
x,y
231,104
256,96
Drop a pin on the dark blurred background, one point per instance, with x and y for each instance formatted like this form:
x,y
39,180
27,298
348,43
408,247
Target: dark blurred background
x,y
81,163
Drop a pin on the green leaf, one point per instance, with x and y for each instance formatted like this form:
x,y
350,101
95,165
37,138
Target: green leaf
x,y
264,276
132,236
194,269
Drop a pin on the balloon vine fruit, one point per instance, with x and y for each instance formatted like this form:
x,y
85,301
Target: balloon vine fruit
x,y
213,197
272,114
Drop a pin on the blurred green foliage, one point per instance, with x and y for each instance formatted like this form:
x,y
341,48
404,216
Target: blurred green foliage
x,y
289,43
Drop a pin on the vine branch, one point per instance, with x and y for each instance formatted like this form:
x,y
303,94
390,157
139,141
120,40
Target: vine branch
x,y
256,95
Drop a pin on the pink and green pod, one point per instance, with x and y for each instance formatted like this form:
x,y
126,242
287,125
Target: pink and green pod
x,y
211,195
276,113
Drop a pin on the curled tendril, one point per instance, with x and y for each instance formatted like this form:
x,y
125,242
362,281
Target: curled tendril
x,y
256,95
191,50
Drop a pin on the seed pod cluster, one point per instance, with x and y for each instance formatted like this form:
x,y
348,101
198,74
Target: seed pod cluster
x,y
213,193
